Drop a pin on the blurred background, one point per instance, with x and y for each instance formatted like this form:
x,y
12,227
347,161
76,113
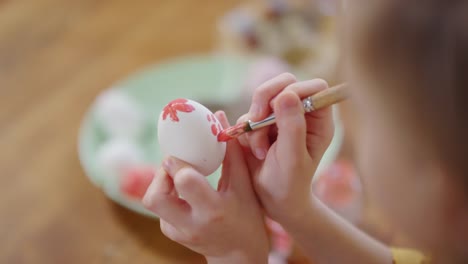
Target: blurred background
x,y
57,57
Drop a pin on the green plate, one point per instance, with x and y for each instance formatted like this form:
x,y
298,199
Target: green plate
x,y
205,78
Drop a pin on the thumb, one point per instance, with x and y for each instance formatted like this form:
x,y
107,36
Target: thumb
x,y
235,168
290,120
189,183
235,175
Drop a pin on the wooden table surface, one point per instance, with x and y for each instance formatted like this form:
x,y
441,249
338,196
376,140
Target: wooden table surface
x,y
55,57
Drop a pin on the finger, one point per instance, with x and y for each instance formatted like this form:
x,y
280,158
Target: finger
x,y
235,172
191,185
171,232
320,126
265,92
290,120
305,88
258,140
235,168
252,161
320,131
161,183
159,199
243,139
223,181
273,134
221,115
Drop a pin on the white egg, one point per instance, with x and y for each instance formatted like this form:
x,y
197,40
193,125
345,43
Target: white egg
x,y
188,131
117,155
119,115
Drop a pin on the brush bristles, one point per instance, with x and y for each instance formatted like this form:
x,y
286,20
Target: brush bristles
x,y
233,132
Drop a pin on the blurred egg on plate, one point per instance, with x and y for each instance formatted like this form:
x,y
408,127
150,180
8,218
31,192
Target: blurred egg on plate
x,y
118,115
117,155
188,131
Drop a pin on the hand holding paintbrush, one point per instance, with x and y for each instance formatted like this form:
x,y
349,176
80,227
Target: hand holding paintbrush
x,y
314,102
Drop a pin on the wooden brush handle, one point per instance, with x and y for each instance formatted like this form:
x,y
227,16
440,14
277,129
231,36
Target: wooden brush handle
x,y
317,101
329,96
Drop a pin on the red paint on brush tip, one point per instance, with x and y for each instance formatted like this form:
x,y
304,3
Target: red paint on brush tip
x,y
223,137
231,132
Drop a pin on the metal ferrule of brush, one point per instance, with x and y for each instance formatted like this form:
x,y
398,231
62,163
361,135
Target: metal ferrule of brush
x,y
263,123
308,107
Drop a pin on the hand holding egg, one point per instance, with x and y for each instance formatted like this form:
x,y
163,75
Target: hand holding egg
x,y
183,199
188,131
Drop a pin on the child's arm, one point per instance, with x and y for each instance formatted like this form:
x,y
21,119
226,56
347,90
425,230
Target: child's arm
x,y
282,173
227,226
328,238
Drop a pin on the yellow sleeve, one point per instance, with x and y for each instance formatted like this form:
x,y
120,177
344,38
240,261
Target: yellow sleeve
x,y
408,256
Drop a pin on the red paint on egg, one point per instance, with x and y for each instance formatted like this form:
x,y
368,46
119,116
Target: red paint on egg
x,y
208,117
180,105
214,130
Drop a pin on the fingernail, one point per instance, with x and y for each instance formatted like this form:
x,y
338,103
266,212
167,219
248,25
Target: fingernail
x,y
255,111
223,114
168,165
220,114
260,153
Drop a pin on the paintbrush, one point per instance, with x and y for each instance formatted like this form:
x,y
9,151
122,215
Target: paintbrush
x,y
312,103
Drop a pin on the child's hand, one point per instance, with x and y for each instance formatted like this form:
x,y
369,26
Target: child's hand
x,y
282,172
227,225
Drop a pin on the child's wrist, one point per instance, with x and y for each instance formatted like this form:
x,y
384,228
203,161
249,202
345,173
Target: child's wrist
x,y
295,212
305,215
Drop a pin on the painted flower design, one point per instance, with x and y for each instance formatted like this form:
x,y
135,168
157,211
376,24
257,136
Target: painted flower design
x,y
216,127
180,105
